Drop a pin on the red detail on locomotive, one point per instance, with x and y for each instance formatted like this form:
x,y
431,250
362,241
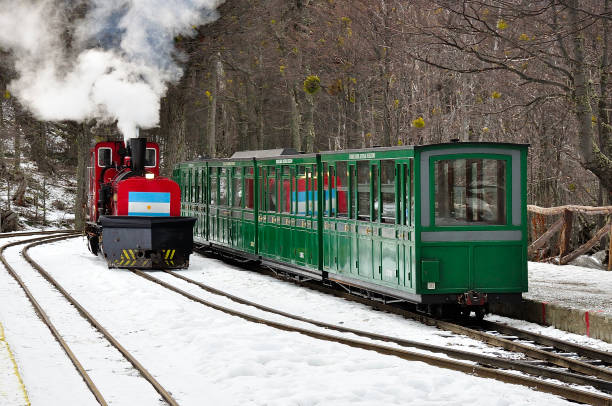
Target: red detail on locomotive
x,y
138,184
109,165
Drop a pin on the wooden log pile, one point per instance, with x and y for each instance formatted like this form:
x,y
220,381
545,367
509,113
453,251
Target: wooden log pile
x,y
564,225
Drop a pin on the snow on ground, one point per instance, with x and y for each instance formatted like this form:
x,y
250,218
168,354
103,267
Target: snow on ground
x,y
46,371
571,286
12,391
202,355
105,365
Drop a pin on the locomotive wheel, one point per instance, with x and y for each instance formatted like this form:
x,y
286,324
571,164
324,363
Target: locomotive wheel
x,y
480,313
93,244
464,313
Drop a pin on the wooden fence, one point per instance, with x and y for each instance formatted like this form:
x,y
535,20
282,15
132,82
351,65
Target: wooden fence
x,y
564,225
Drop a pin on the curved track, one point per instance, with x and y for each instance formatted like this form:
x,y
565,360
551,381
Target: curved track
x,y
165,395
491,367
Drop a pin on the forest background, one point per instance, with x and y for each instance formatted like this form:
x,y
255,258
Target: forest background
x,y
336,74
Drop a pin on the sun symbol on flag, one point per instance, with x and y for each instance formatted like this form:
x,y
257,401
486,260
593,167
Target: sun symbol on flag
x,y
149,207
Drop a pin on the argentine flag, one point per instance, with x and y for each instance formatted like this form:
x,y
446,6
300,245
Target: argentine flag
x,y
148,204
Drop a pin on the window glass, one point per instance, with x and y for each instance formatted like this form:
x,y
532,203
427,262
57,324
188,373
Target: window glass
x,y
272,194
262,189
375,196
363,190
223,187
237,188
352,199
342,189
196,184
299,190
285,193
326,182
213,187
387,191
314,194
411,219
203,185
470,192
150,158
309,192
248,189
105,157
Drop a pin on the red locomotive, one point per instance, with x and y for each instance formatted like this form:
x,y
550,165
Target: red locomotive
x,y
134,213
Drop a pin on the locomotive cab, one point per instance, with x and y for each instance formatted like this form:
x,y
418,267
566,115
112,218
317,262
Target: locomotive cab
x,y
134,213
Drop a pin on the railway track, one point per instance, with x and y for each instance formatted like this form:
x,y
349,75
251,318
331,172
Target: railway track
x,y
49,237
476,364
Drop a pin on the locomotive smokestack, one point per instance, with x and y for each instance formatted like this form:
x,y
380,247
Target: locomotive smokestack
x,y
138,147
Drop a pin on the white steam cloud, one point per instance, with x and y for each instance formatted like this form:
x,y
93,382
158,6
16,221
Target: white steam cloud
x,y
111,64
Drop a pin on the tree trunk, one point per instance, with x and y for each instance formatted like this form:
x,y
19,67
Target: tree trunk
x,y
309,137
296,119
2,135
243,123
592,157
17,148
603,119
19,195
212,112
176,130
80,203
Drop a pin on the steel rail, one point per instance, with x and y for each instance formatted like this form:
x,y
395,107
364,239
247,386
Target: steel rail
x,y
532,352
556,359
481,371
43,316
581,350
137,365
464,355
31,233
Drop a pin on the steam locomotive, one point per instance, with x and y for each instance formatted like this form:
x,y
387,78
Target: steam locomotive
x,y
135,218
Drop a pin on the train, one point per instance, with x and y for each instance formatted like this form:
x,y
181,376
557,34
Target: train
x,y
134,213
442,226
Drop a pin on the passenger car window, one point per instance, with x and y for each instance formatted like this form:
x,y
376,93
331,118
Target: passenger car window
x,y
470,192
285,194
237,188
342,189
363,190
213,187
272,192
387,189
223,187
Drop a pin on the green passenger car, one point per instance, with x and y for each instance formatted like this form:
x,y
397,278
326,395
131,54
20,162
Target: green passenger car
x,y
441,224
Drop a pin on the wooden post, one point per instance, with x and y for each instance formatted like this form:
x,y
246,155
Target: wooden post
x,y
610,249
539,243
44,196
586,246
566,233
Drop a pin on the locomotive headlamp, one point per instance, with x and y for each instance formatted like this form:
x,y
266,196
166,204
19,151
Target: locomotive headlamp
x,y
149,176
